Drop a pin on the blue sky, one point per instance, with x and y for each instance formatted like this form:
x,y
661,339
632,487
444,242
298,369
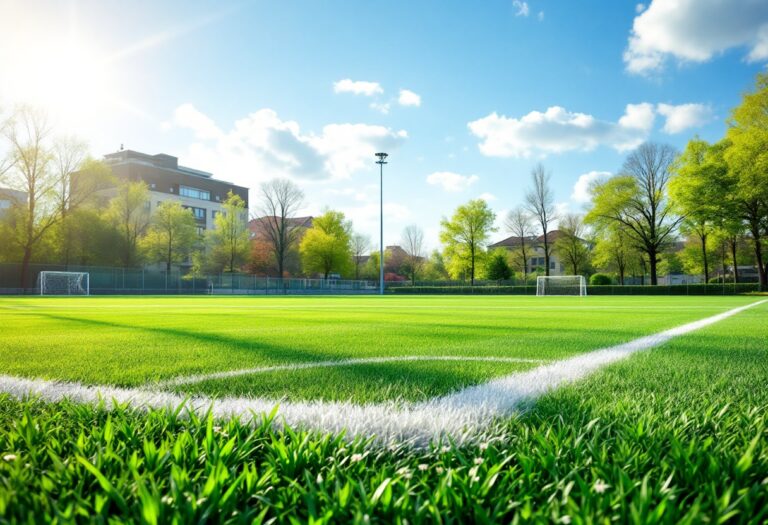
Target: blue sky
x,y
309,90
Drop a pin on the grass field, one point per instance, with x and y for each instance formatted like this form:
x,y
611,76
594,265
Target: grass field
x,y
676,433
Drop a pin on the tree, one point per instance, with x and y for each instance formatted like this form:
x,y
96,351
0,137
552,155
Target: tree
x,y
540,201
614,251
280,200
171,235
637,198
571,245
466,235
696,192
80,178
227,244
413,244
520,224
747,159
29,168
326,247
361,245
497,267
129,213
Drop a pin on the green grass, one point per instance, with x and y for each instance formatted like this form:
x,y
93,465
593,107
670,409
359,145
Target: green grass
x,y
136,340
678,434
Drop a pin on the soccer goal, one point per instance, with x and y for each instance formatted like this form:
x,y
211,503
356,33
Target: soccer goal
x,y
64,283
561,285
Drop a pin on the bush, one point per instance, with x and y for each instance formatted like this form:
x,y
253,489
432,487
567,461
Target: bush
x,y
599,279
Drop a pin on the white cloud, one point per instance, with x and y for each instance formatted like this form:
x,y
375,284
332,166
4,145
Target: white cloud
x,y
382,108
558,130
261,146
487,197
358,87
541,16
695,31
639,8
187,116
581,193
450,181
684,116
522,8
409,98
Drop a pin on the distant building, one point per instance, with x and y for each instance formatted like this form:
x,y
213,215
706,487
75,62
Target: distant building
x,y
535,246
259,226
10,198
196,190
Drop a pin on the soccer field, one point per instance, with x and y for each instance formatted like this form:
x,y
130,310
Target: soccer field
x,y
559,429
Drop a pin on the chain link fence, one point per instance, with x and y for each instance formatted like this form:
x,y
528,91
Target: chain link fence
x,y
142,281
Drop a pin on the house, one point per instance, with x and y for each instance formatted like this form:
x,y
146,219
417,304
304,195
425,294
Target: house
x,y
534,246
259,226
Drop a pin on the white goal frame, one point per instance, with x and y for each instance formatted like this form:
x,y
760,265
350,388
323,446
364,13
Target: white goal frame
x,y
561,285
77,283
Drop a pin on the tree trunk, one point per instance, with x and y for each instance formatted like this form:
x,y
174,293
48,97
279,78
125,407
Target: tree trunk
x,y
25,268
759,260
546,254
472,269
733,255
652,263
704,257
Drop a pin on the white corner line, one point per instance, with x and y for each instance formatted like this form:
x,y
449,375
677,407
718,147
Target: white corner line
x,y
462,416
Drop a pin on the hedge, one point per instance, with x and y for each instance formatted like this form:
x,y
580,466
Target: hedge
x,y
675,289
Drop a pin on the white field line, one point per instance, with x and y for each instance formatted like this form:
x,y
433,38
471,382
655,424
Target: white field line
x,y
462,416
199,378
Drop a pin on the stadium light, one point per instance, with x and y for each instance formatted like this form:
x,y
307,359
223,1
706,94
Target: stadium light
x,y
381,162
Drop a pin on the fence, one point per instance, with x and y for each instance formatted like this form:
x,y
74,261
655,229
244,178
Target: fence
x,y
138,281
673,289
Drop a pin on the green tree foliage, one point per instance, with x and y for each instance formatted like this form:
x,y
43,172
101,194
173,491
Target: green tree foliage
x,y
747,159
497,265
227,245
465,237
129,214
571,246
697,193
637,199
326,247
614,251
434,268
172,234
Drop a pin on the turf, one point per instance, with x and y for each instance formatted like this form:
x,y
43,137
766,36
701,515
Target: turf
x,y
136,340
677,434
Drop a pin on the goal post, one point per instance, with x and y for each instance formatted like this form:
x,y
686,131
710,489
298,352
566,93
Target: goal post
x,y
561,285
64,283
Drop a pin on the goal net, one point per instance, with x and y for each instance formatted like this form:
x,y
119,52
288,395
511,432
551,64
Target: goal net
x,y
561,285
63,283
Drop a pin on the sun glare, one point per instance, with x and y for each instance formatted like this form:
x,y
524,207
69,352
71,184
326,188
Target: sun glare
x,y
65,76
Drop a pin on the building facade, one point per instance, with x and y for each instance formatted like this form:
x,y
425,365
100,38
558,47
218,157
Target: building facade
x,y
10,198
534,247
196,190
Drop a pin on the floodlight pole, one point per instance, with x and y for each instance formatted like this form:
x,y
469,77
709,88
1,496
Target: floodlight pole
x,y
381,163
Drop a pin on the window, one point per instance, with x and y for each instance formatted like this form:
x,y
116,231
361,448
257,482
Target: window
x,y
5,204
551,265
194,193
199,213
201,230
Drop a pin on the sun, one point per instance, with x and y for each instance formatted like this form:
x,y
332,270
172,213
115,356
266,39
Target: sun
x,y
65,76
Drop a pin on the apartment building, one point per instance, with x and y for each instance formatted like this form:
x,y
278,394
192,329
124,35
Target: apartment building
x,y
9,198
195,189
